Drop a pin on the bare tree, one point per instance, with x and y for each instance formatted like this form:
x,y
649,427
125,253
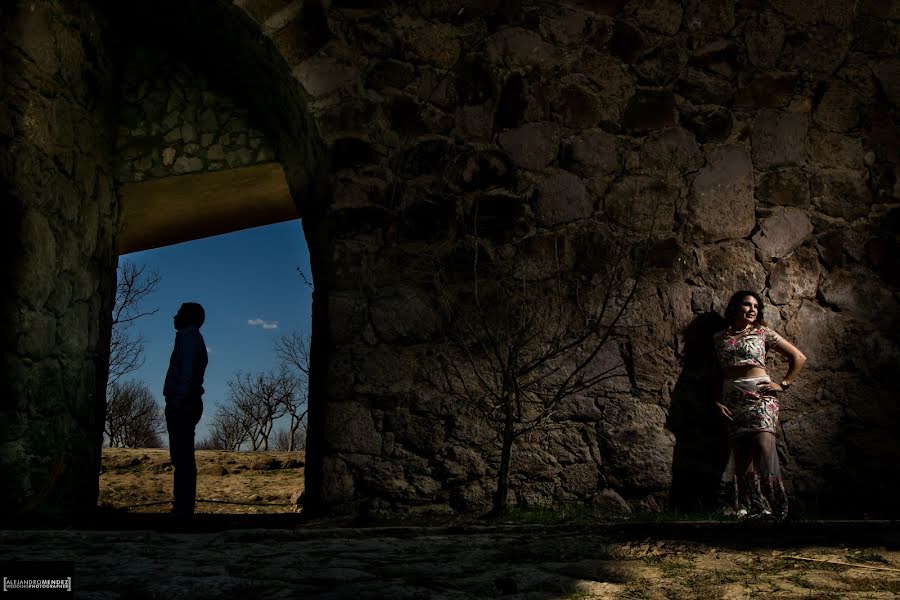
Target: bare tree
x,y
126,351
293,350
255,401
226,432
133,417
519,347
289,441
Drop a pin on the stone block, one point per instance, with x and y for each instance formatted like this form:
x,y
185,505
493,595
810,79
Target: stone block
x,y
474,122
337,481
663,16
721,202
577,105
720,56
592,152
888,74
580,479
703,88
710,126
636,447
781,233
390,73
613,83
828,149
404,315
669,154
562,197
764,39
841,194
648,110
817,332
784,187
779,138
856,291
520,48
708,17
769,90
608,501
839,107
531,146
185,164
349,428
321,76
436,45
732,266
38,260
641,203
795,277
38,334
73,328
661,65
567,29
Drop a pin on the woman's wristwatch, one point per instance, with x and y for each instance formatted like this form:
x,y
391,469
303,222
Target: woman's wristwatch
x,y
785,384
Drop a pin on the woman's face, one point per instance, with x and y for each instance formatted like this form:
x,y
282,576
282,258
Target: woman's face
x,y
748,309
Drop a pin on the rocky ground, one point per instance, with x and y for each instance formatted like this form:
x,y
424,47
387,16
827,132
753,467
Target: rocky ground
x,y
234,551
713,560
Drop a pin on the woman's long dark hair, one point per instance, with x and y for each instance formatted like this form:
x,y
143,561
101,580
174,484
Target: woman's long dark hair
x,y
734,305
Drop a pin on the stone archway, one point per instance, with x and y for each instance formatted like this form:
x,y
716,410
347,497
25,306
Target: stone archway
x,y
72,54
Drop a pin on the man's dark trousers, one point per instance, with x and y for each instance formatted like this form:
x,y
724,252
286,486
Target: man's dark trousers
x,y
182,421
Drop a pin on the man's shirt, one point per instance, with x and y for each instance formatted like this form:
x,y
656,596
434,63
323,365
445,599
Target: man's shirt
x,y
187,365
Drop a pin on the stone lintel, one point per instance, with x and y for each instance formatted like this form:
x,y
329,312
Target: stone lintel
x,y
171,210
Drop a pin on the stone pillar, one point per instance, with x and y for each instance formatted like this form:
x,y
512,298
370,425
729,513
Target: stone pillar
x,y
59,225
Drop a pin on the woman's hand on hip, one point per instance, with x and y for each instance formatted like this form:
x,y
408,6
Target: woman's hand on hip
x,y
769,386
724,411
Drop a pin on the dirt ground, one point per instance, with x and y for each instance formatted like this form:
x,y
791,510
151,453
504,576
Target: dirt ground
x,y
728,560
140,480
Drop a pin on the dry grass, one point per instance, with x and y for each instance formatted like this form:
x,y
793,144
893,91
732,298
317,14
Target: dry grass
x,y
252,481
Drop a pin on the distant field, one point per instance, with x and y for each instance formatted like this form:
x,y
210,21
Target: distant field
x,y
132,477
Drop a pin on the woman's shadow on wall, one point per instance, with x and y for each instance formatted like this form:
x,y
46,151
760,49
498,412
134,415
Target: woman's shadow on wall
x,y
701,439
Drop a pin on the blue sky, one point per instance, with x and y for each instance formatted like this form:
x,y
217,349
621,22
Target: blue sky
x,y
248,284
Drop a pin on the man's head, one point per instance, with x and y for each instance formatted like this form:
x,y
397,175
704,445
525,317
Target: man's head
x,y
189,314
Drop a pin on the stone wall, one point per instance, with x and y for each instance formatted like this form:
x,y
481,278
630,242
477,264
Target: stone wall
x,y
60,220
172,122
768,133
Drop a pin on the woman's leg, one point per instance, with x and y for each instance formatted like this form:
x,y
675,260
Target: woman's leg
x,y
741,451
771,486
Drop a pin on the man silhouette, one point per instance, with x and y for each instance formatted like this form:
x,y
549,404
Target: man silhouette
x,y
183,391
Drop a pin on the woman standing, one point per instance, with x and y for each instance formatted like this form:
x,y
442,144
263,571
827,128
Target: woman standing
x,y
749,402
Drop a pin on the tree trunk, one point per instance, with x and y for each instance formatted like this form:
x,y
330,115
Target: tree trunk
x,y
505,455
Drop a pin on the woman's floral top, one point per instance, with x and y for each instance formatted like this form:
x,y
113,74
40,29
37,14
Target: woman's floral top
x,y
747,349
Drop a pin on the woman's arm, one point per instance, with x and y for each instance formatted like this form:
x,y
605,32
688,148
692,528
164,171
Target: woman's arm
x,y
796,359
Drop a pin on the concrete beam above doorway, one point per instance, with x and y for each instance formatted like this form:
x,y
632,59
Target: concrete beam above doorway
x,y
171,210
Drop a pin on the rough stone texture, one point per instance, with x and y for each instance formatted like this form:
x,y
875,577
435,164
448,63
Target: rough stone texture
x,y
779,138
795,277
174,122
784,187
59,226
779,234
721,204
731,266
572,129
562,197
532,146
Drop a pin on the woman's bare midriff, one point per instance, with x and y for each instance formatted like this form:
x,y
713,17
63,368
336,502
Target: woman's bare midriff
x,y
743,371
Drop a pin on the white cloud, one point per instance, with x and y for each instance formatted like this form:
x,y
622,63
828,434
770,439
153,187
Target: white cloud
x,y
263,324
209,350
